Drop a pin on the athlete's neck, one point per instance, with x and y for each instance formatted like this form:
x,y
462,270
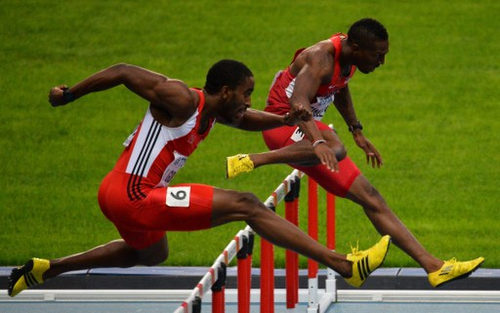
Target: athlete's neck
x,y
209,110
345,58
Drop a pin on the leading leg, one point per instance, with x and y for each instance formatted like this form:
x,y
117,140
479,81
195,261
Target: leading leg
x,y
235,206
386,222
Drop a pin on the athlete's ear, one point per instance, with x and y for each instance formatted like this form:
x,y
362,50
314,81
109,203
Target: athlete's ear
x,y
355,47
226,92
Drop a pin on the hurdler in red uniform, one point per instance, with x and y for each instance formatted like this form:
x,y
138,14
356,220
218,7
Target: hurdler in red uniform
x,y
278,102
131,195
317,78
136,195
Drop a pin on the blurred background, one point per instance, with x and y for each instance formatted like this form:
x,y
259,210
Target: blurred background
x,y
432,111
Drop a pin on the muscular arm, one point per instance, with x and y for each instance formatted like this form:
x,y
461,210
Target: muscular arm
x,y
255,120
317,67
171,97
343,103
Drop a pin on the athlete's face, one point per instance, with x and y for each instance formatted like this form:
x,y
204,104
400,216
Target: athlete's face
x,y
372,56
238,101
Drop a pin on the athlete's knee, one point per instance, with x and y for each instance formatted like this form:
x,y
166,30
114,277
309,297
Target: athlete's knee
x,y
339,150
374,200
155,254
153,258
249,205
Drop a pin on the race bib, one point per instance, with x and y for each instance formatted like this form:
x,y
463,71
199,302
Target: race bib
x,y
297,135
178,196
172,169
319,107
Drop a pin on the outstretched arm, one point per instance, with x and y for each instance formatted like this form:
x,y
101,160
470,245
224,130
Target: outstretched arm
x,y
343,103
170,96
255,120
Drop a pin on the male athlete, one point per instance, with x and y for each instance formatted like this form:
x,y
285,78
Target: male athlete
x,y
318,76
136,195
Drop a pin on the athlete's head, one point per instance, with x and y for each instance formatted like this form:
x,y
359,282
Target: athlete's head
x,y
370,43
234,83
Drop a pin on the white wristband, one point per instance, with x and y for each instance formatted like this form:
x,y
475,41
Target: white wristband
x,y
317,142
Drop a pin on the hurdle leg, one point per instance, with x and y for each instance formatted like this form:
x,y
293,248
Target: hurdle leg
x,y
330,283
266,277
218,290
243,277
312,226
291,266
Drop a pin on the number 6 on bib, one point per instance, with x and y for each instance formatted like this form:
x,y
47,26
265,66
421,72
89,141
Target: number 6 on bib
x,y
178,196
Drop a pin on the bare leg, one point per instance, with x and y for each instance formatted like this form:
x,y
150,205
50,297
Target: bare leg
x,y
116,253
300,153
231,205
361,192
386,222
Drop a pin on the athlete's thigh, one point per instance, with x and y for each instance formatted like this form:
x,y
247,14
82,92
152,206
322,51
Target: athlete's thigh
x,y
284,136
180,207
331,137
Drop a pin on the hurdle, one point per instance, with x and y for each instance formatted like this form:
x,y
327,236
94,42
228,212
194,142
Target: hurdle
x,y
241,247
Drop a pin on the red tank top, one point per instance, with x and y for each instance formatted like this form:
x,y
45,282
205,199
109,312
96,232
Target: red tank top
x,y
154,153
284,83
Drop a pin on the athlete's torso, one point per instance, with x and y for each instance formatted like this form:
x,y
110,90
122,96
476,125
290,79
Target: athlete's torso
x,y
154,153
284,83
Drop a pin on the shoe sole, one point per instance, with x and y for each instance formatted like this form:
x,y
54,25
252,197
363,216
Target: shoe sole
x,y
17,273
461,276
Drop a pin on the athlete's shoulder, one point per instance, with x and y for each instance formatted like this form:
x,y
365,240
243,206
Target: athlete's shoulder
x,y
176,99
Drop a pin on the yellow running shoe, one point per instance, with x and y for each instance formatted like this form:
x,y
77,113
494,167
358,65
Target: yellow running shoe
x,y
453,269
238,164
27,276
366,261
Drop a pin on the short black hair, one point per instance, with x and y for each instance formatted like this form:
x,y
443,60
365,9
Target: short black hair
x,y
229,73
365,31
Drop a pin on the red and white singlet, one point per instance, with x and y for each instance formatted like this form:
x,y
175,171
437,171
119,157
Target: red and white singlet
x,y
284,83
136,195
278,102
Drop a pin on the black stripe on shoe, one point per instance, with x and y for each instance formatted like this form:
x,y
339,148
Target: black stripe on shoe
x,y
30,279
360,270
363,268
367,267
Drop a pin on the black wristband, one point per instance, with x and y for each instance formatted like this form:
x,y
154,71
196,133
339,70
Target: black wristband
x,y
68,96
358,125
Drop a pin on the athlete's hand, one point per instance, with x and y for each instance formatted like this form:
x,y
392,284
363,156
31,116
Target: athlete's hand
x,y
56,95
327,157
296,115
372,155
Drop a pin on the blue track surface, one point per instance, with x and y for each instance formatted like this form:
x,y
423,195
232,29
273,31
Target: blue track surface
x,y
163,307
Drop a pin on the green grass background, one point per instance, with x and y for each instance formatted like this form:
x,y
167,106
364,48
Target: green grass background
x,y
432,111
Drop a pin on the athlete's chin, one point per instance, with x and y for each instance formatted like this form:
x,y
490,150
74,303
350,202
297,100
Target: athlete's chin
x,y
366,70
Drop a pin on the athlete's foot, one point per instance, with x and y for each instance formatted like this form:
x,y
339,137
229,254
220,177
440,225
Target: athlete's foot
x,y
453,269
27,276
366,261
238,164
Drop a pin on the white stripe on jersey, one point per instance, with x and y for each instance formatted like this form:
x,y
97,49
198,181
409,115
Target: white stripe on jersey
x,y
319,107
150,141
